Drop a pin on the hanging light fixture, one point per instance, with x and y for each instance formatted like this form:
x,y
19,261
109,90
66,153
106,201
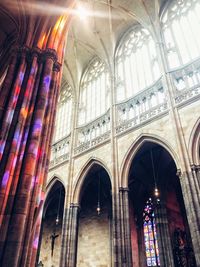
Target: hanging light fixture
x,y
156,191
98,200
58,210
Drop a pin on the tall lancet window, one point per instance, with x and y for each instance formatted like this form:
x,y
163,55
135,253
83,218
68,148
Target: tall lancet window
x,y
181,29
136,63
94,92
150,235
63,115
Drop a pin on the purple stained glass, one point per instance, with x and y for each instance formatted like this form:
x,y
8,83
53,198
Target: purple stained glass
x,y
150,235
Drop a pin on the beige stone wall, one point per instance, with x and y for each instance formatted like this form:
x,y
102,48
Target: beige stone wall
x,y
161,128
93,242
93,239
45,250
61,171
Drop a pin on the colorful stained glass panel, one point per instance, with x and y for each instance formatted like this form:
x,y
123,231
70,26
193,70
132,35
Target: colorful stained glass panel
x,y
150,236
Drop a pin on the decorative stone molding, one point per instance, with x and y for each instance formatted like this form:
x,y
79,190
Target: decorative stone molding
x,y
123,189
50,53
92,143
145,105
57,66
94,131
144,117
179,173
60,151
186,82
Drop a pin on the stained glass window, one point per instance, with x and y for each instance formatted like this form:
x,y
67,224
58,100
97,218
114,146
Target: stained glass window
x,y
150,235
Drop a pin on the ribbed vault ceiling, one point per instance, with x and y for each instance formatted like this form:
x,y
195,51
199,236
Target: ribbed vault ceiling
x,y
97,35
100,32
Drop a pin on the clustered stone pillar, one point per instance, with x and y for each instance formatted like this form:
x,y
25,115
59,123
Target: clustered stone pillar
x,y
70,237
125,227
27,112
191,194
163,235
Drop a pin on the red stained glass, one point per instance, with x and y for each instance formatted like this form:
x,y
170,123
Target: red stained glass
x,y
150,235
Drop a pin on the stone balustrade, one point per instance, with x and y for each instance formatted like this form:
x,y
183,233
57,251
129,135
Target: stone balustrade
x,y
93,129
186,82
144,106
60,151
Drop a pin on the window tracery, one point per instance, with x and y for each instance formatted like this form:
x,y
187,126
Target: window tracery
x,y
94,92
63,116
136,63
181,28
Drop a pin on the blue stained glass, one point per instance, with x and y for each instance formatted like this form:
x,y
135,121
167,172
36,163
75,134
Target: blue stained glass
x,y
150,235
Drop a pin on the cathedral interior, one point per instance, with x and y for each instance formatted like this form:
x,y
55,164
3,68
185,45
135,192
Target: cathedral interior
x,y
100,133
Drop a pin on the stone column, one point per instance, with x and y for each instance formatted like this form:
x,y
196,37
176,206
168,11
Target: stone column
x,y
163,235
18,146
70,237
191,193
6,87
64,237
125,228
74,235
31,116
116,230
36,203
198,173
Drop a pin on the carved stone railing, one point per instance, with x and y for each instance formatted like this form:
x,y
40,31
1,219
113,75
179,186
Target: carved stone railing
x,y
138,120
94,142
144,106
186,82
93,133
60,151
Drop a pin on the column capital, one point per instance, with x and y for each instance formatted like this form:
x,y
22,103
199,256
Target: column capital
x,y
22,51
198,167
36,51
179,173
50,53
74,205
57,66
195,167
123,189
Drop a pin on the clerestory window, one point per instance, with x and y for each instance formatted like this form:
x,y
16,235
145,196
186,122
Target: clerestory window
x,y
94,98
181,30
63,115
136,63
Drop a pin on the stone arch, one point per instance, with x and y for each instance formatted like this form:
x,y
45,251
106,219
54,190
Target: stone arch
x,y
82,175
126,163
55,179
194,143
52,222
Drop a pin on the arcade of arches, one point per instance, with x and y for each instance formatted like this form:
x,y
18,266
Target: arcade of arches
x,y
99,133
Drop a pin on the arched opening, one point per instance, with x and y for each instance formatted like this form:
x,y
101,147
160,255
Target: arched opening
x,y
94,230
50,235
195,144
159,228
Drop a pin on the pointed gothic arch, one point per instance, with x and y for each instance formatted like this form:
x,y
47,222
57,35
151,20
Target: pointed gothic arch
x,y
50,235
82,176
194,144
152,178
132,151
